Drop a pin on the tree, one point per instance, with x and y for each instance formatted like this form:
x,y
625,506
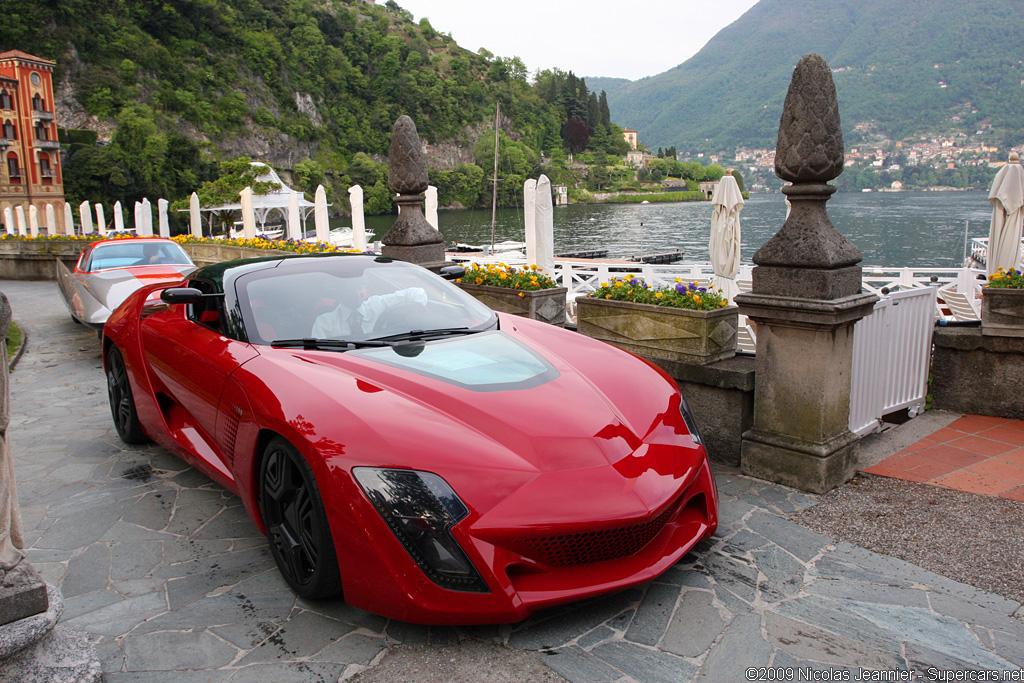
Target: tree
x,y
576,135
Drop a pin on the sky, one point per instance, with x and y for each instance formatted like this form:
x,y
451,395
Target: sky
x,y
590,38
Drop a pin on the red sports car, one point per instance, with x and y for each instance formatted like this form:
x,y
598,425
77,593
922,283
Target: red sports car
x,y
400,442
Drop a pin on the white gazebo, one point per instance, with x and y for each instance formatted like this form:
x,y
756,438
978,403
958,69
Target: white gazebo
x,y
264,205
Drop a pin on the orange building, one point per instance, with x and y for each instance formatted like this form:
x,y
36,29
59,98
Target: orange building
x,y
30,172
631,137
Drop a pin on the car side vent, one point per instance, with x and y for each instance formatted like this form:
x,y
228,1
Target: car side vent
x,y
231,431
567,550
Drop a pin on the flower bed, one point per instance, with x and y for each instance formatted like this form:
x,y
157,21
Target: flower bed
x,y
1002,304
681,322
526,291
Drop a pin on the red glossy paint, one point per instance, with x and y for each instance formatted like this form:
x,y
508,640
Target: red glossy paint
x,y
551,474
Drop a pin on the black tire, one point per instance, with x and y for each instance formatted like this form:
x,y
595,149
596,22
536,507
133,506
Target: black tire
x,y
296,523
122,403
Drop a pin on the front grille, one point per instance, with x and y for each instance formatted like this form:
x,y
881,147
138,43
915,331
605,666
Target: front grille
x,y
567,550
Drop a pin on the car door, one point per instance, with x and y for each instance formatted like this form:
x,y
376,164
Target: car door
x,y
192,359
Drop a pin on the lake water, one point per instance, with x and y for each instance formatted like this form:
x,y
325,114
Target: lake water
x,y
920,229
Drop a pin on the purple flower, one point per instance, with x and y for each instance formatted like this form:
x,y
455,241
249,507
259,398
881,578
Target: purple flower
x,y
633,281
702,289
682,289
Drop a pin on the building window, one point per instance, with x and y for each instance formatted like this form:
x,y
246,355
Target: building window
x,y
5,100
34,78
9,131
42,131
38,104
44,166
13,170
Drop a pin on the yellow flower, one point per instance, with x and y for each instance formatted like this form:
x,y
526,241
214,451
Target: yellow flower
x,y
604,284
503,276
697,299
618,283
607,296
521,294
658,295
458,279
479,280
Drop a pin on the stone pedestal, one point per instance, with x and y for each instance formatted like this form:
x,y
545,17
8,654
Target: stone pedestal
x,y
801,436
806,298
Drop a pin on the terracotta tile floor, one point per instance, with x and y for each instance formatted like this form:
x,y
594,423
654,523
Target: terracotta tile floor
x,y
975,453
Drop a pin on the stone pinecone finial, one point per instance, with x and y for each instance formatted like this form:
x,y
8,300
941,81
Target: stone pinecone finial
x,y
407,167
810,143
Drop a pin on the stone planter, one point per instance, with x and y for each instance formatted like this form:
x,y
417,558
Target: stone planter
x,y
1002,312
546,305
660,332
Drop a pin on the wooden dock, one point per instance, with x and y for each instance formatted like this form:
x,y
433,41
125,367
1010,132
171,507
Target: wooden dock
x,y
666,257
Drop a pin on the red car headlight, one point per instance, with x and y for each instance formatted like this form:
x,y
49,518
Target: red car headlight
x,y
691,423
421,508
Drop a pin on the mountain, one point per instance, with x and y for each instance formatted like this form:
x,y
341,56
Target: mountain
x,y
901,69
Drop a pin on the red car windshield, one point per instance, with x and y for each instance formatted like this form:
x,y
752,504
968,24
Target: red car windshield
x,y
352,299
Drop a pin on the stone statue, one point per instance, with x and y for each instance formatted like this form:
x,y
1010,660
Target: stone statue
x,y
11,541
411,237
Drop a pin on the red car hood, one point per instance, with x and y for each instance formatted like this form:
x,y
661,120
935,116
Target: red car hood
x,y
606,429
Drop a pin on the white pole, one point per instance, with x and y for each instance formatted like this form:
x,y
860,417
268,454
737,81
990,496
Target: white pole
x,y
323,230
194,219
165,226
51,220
355,198
118,217
101,220
85,213
8,220
248,216
530,219
147,216
33,221
431,206
19,214
140,225
69,219
294,227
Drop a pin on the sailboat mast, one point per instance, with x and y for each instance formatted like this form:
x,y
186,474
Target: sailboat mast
x,y
494,192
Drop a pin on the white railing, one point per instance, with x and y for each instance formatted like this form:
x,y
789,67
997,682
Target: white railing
x,y
891,354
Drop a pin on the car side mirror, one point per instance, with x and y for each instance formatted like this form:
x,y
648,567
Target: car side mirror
x,y
452,272
181,295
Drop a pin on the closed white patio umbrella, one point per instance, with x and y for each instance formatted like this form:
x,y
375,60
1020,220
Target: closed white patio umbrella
x,y
724,245
1007,198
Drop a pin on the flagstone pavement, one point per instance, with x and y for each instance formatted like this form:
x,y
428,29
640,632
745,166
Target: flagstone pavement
x,y
163,569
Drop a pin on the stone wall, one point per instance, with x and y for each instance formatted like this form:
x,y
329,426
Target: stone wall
x,y
977,374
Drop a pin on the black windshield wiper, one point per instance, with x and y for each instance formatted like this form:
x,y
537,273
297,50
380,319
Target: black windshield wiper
x,y
423,334
311,343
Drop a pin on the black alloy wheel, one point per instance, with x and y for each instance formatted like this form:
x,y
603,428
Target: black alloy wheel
x,y
122,404
296,523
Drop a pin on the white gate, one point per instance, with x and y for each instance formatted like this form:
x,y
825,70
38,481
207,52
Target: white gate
x,y
891,354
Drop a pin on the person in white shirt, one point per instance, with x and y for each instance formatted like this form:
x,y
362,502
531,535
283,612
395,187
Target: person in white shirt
x,y
359,315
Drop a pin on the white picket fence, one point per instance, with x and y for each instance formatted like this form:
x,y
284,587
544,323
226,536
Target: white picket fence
x,y
891,354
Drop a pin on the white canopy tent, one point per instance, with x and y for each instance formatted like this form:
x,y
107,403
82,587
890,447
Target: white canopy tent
x,y
271,207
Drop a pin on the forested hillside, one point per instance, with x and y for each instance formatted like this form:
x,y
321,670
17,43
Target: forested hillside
x,y
901,69
312,86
